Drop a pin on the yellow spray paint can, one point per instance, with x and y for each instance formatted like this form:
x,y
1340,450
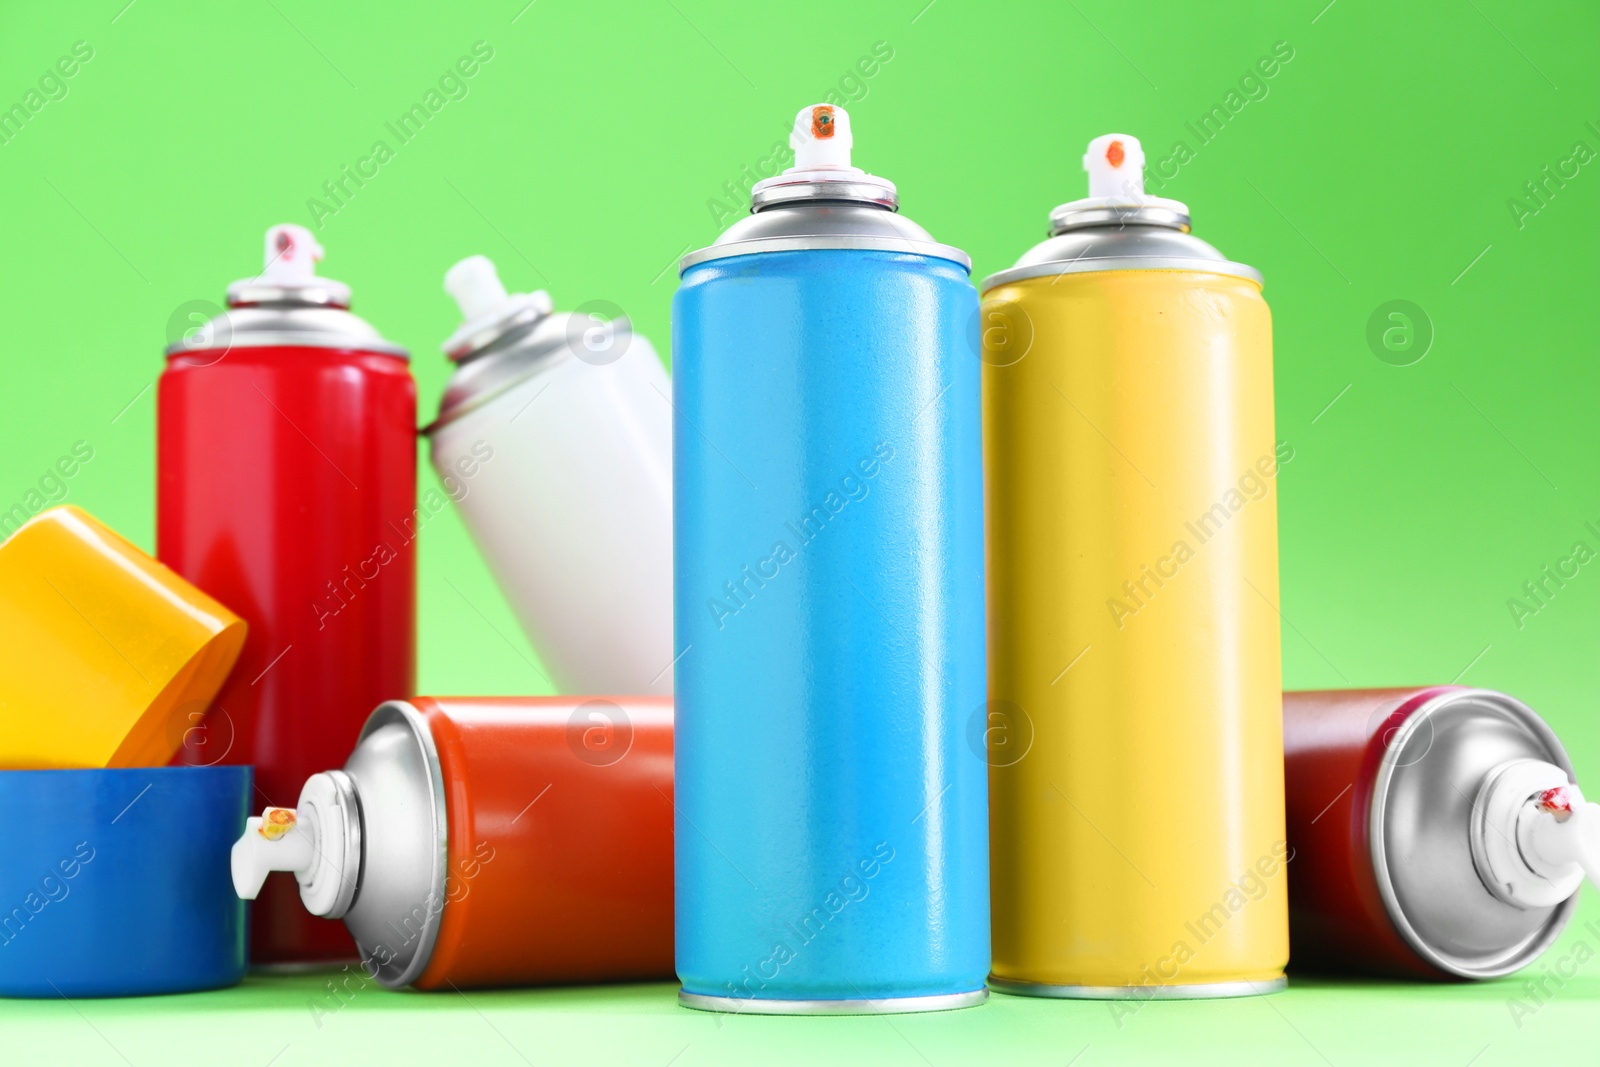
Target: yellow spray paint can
x,y
1134,726
107,657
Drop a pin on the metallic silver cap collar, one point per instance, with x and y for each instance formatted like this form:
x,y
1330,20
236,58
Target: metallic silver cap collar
x,y
279,325
322,292
846,185
1148,211
802,225
474,337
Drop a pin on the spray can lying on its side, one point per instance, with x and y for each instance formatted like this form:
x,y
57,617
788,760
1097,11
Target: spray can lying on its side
x,y
557,429
1133,639
489,841
1436,833
832,836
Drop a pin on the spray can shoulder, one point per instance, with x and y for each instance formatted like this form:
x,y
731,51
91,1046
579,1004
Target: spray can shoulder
x,y
525,351
282,326
810,224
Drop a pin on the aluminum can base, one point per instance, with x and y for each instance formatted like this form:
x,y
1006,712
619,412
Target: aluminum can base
x,y
882,1006
293,967
1196,991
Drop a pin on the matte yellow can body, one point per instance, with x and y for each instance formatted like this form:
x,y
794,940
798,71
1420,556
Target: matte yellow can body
x,y
1135,728
107,657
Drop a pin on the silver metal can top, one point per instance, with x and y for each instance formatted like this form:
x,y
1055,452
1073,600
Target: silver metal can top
x,y
822,202
400,900
488,312
1421,826
800,225
507,338
506,359
286,305
1119,227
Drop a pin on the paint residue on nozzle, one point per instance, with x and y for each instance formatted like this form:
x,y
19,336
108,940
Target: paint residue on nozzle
x,y
1115,162
1557,802
821,139
292,254
275,822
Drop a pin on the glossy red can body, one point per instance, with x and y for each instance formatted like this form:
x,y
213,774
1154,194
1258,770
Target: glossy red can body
x,y
287,490
559,816
1333,741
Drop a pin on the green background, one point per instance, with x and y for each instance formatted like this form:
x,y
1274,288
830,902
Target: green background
x,y
1379,165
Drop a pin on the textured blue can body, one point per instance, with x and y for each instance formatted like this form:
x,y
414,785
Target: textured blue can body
x,y
832,832
117,882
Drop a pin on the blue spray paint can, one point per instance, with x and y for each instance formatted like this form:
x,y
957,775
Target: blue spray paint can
x,y
832,825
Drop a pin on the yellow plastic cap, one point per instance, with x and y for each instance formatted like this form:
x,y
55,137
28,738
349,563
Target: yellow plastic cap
x,y
106,655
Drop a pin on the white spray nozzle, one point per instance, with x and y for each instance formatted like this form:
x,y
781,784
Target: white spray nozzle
x,y
273,841
1115,163
1560,833
289,273
319,842
821,138
1534,838
476,286
291,255
485,305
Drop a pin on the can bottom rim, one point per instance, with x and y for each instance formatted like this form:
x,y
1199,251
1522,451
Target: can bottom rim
x,y
292,967
863,1006
1195,991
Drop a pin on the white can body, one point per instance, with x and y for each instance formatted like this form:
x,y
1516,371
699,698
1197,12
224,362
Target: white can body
x,y
570,502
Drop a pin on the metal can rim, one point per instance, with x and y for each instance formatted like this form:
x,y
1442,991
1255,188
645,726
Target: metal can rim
x,y
1150,263
291,339
804,243
406,713
1383,778
834,1006
866,188
1195,991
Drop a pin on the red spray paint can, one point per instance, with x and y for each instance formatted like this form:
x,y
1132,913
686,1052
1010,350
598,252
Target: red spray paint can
x,y
489,841
286,458
1436,833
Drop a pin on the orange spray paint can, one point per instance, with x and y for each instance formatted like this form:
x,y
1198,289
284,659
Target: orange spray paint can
x,y
489,841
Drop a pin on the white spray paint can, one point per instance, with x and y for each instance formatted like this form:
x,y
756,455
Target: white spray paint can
x,y
561,424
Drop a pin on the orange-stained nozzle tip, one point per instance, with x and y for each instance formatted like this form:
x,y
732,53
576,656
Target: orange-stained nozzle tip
x,y
821,138
822,121
1115,162
275,822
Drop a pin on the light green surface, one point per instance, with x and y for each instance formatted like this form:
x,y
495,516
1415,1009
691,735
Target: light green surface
x,y
290,1021
1378,166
